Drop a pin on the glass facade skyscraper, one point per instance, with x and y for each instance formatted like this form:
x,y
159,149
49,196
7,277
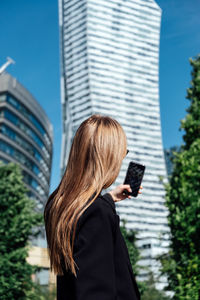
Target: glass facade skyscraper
x,y
25,137
110,65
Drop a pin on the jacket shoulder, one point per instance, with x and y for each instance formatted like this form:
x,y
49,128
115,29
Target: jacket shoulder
x,y
99,209
108,200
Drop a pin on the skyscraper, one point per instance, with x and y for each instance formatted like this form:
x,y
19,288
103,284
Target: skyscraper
x,y
169,156
110,65
25,137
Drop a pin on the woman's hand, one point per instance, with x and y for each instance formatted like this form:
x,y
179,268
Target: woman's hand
x,y
117,193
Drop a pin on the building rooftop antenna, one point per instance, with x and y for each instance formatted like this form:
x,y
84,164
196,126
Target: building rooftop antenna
x,y
6,64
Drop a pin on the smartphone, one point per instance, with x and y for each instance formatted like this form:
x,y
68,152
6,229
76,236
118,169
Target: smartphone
x,y
134,176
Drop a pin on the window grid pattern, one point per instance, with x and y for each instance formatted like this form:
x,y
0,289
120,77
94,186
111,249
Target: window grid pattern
x,y
30,147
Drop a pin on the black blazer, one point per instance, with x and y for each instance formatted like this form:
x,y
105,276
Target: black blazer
x,y
105,271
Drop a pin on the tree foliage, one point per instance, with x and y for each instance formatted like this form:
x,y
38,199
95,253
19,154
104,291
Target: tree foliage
x,y
182,263
17,219
150,291
44,292
147,288
130,237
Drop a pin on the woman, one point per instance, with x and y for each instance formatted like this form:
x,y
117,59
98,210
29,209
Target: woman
x,y
86,248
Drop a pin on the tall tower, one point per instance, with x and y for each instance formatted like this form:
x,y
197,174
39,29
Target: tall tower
x,y
26,137
110,65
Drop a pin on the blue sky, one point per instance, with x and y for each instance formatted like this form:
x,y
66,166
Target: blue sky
x,y
30,35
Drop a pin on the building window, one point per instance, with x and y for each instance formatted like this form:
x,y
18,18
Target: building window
x,y
7,131
26,113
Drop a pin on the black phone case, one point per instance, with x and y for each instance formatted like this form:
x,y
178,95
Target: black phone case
x,y
134,176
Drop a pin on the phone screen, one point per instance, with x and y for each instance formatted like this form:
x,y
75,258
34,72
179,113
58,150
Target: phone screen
x,y
134,177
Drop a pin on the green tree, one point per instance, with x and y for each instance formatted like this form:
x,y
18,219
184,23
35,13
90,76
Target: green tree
x,y
182,263
130,237
147,288
44,292
17,220
150,292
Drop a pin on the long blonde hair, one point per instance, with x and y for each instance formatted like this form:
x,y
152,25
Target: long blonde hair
x,y
95,159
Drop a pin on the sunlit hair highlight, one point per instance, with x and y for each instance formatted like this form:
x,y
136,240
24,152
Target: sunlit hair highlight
x,y
94,162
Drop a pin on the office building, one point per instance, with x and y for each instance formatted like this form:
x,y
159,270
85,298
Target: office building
x,y
169,156
26,137
110,65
